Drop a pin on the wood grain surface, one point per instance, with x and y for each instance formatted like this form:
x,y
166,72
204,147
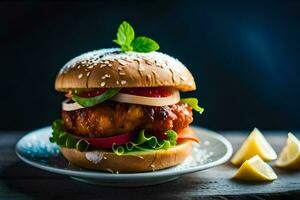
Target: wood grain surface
x,y
21,181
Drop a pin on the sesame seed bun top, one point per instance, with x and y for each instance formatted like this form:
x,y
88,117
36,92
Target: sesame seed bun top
x,y
112,68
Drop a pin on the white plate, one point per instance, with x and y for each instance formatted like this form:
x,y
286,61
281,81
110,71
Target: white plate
x,y
36,150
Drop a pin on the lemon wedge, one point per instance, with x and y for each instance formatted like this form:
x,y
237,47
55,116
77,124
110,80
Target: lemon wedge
x,y
255,169
255,144
290,155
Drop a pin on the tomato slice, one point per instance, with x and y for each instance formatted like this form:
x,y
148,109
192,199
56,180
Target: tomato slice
x,y
92,93
107,142
162,136
148,92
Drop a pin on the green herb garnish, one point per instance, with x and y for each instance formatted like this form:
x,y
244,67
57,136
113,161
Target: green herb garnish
x,y
127,41
193,102
91,101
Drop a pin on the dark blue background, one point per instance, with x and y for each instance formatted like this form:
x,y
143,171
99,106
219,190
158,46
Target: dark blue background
x,y
244,56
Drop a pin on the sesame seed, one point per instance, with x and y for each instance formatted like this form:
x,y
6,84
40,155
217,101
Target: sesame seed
x,y
87,74
78,67
101,66
118,83
120,68
141,69
173,77
123,82
183,78
109,170
155,74
148,62
110,65
105,76
91,67
102,84
121,62
122,73
80,76
126,59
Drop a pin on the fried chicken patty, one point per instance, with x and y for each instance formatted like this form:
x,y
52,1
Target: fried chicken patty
x,y
108,119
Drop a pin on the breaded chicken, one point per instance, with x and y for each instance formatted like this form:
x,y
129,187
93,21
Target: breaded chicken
x,y
108,119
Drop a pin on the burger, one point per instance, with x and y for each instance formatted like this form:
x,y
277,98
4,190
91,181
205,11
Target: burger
x,y
123,111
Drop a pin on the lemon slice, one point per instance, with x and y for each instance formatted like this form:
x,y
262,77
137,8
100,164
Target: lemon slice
x,y
255,144
290,155
255,169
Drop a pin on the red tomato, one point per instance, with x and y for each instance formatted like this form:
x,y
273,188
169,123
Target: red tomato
x,y
162,136
148,92
92,93
107,142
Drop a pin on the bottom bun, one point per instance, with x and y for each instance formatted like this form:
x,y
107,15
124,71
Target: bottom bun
x,y
142,161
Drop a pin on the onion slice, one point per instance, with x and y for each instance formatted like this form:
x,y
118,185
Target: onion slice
x,y
133,99
149,101
67,106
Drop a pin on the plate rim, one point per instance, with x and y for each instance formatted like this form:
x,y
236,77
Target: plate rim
x,y
156,174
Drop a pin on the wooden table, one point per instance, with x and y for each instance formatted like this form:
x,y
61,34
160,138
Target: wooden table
x,y
21,181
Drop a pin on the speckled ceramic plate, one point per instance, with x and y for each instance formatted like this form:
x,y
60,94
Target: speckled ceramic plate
x,y
36,150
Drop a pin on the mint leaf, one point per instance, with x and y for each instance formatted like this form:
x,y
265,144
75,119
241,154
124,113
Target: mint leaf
x,y
144,44
126,48
125,35
127,42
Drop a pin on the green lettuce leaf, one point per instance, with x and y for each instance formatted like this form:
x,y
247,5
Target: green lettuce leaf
x,y
193,102
91,101
143,142
64,139
146,143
